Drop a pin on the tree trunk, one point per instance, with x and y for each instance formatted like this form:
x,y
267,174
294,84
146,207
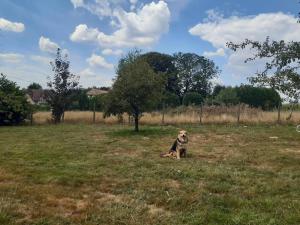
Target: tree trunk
x,y
136,122
31,118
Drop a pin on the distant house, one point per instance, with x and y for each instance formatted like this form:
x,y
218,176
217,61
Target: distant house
x,y
38,96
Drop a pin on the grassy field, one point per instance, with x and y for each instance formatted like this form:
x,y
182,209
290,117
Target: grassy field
x,y
92,175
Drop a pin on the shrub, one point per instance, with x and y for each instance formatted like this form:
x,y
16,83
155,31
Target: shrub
x,y
228,96
259,97
14,107
192,98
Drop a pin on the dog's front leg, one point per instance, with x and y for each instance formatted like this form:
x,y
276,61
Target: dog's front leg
x,y
178,153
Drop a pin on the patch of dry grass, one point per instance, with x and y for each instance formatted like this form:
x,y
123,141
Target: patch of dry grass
x,y
210,115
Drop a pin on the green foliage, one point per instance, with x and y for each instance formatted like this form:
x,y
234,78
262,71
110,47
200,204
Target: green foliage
x,y
34,86
195,73
171,99
136,89
258,97
283,58
228,96
163,64
14,107
217,90
61,87
265,98
192,98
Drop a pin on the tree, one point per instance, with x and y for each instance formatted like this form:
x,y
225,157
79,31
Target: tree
x,y
136,89
280,71
61,87
195,73
265,98
217,90
34,86
228,96
163,64
192,98
14,107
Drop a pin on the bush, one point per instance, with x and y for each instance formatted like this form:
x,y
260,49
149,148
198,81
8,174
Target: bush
x,y
14,107
228,96
258,97
172,100
192,98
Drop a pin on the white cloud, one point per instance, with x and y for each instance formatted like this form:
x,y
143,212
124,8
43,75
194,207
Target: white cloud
x,y
11,57
139,29
77,3
90,78
218,30
133,1
101,8
218,52
87,72
99,61
7,25
41,59
109,51
46,45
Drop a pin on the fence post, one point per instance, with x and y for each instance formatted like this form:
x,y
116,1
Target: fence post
x,y
201,111
239,113
94,110
279,109
163,114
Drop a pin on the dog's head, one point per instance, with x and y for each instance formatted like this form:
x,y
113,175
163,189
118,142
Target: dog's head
x,y
182,136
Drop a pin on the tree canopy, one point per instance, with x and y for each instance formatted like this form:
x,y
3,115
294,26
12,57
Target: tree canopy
x,y
195,73
34,86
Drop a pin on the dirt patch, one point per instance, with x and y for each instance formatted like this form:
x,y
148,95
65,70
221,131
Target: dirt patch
x,y
154,210
67,207
172,183
289,150
7,179
103,197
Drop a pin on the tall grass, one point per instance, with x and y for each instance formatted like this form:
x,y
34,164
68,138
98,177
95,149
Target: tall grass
x,y
182,115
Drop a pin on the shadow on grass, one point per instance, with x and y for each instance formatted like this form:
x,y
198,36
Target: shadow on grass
x,y
145,131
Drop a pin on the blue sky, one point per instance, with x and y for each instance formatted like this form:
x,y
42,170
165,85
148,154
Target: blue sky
x,y
96,33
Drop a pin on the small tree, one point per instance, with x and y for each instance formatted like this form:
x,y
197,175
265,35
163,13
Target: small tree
x,y
136,89
14,107
61,87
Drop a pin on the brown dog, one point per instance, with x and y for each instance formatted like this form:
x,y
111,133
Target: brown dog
x,y
179,147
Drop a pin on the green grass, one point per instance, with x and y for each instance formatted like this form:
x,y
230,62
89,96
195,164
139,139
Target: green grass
x,y
91,175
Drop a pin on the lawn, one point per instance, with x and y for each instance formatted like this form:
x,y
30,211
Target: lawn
x,y
93,174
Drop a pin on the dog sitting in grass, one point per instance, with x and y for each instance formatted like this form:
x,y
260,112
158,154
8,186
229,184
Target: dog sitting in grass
x,y
179,147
